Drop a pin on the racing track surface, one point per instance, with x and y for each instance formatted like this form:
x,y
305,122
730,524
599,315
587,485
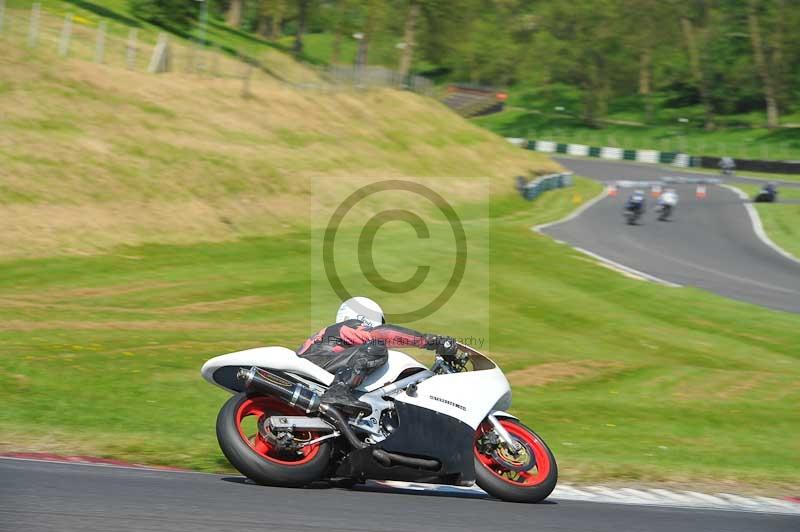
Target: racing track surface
x,y
709,243
41,496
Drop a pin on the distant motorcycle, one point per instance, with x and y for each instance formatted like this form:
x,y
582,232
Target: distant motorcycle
x,y
666,204
632,216
727,165
634,207
768,194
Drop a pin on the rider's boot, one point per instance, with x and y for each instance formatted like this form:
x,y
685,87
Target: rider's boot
x,y
341,391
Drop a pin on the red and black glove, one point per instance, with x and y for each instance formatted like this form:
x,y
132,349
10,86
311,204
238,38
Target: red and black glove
x,y
445,346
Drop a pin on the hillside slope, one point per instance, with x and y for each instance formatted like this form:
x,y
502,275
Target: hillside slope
x,y
94,156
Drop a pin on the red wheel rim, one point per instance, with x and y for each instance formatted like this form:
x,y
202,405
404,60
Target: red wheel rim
x,y
263,407
541,458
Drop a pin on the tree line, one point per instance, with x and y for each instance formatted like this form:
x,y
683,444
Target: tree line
x,y
726,56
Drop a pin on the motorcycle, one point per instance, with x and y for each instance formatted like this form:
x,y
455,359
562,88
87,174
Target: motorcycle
x,y
767,195
664,211
442,425
632,215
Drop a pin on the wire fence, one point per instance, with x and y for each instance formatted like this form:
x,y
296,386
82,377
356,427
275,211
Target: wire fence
x,y
105,42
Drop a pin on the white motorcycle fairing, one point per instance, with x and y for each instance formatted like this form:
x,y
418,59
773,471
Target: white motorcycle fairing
x,y
221,370
438,417
468,396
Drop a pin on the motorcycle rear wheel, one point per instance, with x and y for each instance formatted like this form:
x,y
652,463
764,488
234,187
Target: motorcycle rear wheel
x,y
497,475
254,457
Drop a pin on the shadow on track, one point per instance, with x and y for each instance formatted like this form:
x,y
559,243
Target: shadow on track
x,y
376,487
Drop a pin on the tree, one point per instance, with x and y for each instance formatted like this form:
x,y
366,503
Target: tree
x,y
409,39
270,16
694,25
177,14
342,24
302,20
647,29
764,67
579,45
235,11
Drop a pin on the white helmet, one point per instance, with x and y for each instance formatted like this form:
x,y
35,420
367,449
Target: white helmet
x,y
360,308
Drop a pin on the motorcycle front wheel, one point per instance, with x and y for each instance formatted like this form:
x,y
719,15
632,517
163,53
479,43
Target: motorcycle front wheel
x,y
529,476
246,449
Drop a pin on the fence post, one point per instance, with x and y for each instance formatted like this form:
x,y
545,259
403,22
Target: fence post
x,y
215,53
100,49
246,79
130,52
66,33
33,30
160,62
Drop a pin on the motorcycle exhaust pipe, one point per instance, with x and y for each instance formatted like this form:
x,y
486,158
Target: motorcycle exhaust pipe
x,y
388,459
295,394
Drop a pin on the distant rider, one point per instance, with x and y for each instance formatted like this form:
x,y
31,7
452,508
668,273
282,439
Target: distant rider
x,y
727,165
669,197
356,345
636,202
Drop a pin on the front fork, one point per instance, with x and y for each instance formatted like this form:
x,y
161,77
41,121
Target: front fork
x,y
511,444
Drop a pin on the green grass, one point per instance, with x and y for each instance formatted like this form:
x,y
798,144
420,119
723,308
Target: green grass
x,y
625,379
319,46
740,142
782,224
781,220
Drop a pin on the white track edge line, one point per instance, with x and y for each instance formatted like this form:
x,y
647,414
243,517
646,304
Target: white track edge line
x,y
758,227
657,498
627,269
574,214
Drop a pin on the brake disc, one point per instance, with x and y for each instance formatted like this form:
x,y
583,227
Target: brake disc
x,y
523,460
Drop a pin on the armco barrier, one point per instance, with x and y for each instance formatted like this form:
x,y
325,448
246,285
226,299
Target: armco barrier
x,y
647,156
533,189
546,146
779,167
655,156
610,153
578,149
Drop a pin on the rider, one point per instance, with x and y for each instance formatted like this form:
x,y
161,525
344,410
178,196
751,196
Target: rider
x,y
636,201
668,197
356,345
727,165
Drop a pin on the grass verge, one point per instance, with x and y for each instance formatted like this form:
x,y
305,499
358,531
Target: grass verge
x,y
781,221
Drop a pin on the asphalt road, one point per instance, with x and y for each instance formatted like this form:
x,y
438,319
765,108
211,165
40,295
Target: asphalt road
x,y
39,496
709,243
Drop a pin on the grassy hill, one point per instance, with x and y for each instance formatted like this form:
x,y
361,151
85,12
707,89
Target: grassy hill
x,y
95,156
148,223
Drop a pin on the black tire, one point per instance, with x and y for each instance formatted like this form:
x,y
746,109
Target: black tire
x,y
254,466
505,489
